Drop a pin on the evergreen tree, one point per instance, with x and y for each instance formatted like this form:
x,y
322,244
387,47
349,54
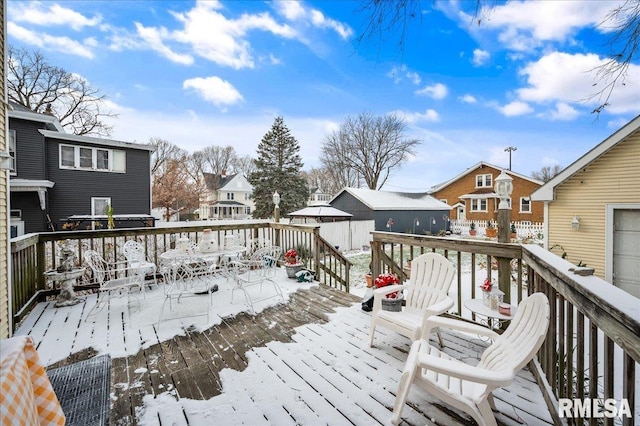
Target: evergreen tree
x,y
278,168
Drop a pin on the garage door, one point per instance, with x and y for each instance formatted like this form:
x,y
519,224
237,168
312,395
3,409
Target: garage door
x,y
626,250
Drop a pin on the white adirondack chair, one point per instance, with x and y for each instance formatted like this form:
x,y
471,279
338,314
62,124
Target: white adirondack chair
x,y
468,387
425,295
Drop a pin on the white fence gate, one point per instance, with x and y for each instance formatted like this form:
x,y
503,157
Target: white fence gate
x,y
348,234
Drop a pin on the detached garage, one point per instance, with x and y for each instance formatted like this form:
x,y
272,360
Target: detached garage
x,y
406,212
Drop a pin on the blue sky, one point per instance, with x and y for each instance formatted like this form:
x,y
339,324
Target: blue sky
x,y
218,72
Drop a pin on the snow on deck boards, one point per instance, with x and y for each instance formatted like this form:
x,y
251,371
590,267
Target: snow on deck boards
x,y
306,361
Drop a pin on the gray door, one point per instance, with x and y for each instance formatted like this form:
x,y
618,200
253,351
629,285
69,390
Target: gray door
x,y
626,250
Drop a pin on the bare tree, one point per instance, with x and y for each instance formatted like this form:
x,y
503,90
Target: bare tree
x,y
385,19
217,159
624,24
173,189
331,180
546,173
369,147
245,165
165,150
39,86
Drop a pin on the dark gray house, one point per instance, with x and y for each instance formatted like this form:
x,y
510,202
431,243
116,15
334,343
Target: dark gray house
x,y
411,213
56,175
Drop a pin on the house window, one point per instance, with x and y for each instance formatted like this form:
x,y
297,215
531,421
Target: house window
x,y
525,205
87,158
99,205
247,210
246,196
497,202
479,205
12,151
229,195
67,156
483,181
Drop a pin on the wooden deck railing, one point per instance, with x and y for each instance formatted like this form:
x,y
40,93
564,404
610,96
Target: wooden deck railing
x,y
592,349
34,254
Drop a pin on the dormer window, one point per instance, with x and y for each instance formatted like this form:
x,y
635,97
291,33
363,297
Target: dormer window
x,y
484,181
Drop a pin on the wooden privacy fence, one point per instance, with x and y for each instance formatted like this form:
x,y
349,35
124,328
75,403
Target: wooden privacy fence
x,y
592,348
34,254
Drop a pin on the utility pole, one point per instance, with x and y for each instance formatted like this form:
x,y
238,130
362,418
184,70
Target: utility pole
x,y
510,149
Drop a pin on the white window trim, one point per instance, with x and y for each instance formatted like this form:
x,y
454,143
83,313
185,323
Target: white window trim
x,y
530,207
14,142
479,200
93,203
608,236
94,159
484,181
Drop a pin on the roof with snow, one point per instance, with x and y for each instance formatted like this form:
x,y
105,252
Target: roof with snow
x,y
385,200
320,211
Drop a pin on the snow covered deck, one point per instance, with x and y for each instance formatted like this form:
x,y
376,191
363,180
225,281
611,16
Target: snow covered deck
x,y
306,361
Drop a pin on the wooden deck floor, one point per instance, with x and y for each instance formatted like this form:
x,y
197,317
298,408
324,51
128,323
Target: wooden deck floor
x,y
303,362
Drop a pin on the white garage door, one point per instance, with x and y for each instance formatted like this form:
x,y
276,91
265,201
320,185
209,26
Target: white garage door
x,y
626,250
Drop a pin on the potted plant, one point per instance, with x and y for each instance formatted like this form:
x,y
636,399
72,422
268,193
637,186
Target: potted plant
x,y
491,230
392,301
472,229
292,263
514,233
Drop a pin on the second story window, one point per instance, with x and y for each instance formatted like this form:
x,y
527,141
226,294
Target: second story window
x,y
229,195
12,150
483,181
88,158
525,205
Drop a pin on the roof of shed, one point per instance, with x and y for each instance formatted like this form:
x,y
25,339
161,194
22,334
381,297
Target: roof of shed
x,y
385,200
320,211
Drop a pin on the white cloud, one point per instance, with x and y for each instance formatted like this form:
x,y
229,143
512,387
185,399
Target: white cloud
x,y
526,24
153,38
295,11
414,77
273,60
468,99
214,37
436,91
51,43
570,78
515,108
617,123
398,73
214,89
563,112
54,15
430,115
480,57
321,21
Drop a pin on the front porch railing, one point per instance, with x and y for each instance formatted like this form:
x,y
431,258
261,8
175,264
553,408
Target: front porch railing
x,y
34,254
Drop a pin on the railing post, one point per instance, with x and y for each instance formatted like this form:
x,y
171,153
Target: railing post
x,y
504,267
40,265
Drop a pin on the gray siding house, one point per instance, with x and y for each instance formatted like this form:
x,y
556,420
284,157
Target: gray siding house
x,y
412,213
57,175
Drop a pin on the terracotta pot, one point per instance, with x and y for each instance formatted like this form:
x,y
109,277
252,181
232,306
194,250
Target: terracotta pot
x,y
513,235
369,280
491,232
473,232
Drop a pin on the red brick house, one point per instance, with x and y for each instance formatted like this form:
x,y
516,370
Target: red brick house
x,y
472,196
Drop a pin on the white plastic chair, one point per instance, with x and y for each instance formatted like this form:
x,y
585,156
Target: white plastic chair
x,y
425,295
468,387
260,267
111,278
134,253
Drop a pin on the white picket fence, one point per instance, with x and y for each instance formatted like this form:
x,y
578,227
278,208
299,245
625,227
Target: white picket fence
x,y
524,229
